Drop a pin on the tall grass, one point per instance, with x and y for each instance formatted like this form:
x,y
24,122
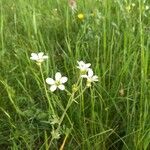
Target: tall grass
x,y
114,37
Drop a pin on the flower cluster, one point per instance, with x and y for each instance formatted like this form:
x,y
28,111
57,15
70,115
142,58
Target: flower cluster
x,y
58,83
87,72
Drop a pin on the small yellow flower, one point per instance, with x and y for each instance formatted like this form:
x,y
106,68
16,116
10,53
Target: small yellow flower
x,y
81,16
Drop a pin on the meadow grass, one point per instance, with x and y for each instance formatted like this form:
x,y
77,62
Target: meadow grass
x,y
113,114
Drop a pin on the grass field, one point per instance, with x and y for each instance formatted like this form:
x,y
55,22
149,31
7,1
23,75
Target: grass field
x,y
111,114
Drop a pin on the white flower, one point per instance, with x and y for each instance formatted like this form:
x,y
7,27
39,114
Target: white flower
x,y
83,67
133,4
38,57
90,77
57,83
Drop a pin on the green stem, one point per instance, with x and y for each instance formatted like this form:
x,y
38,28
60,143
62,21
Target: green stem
x,y
63,115
47,96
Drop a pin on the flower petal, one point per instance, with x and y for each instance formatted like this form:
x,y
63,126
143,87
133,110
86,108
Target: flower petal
x,y
50,81
34,56
90,72
61,87
40,55
53,88
80,63
57,76
63,79
87,65
84,76
95,78
45,57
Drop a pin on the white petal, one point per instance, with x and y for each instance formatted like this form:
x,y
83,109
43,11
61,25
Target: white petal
x,y
34,56
90,72
57,76
84,76
80,63
88,65
50,81
63,79
45,57
61,87
53,88
40,54
95,78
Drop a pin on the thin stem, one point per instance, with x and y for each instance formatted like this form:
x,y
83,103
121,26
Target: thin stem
x,y
70,101
47,96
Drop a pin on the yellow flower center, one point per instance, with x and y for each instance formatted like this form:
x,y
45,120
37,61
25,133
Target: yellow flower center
x,y
57,83
81,16
83,72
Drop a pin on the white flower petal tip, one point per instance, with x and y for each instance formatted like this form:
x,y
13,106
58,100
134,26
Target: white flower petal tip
x,y
38,57
63,79
95,78
53,88
57,83
50,81
84,76
61,87
58,76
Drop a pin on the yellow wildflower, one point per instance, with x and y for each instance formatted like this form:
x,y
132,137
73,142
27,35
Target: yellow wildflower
x,y
81,16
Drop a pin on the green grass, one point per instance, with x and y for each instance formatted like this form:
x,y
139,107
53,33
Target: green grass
x,y
111,115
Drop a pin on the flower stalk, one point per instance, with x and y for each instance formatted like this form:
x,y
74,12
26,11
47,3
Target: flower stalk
x,y
46,92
